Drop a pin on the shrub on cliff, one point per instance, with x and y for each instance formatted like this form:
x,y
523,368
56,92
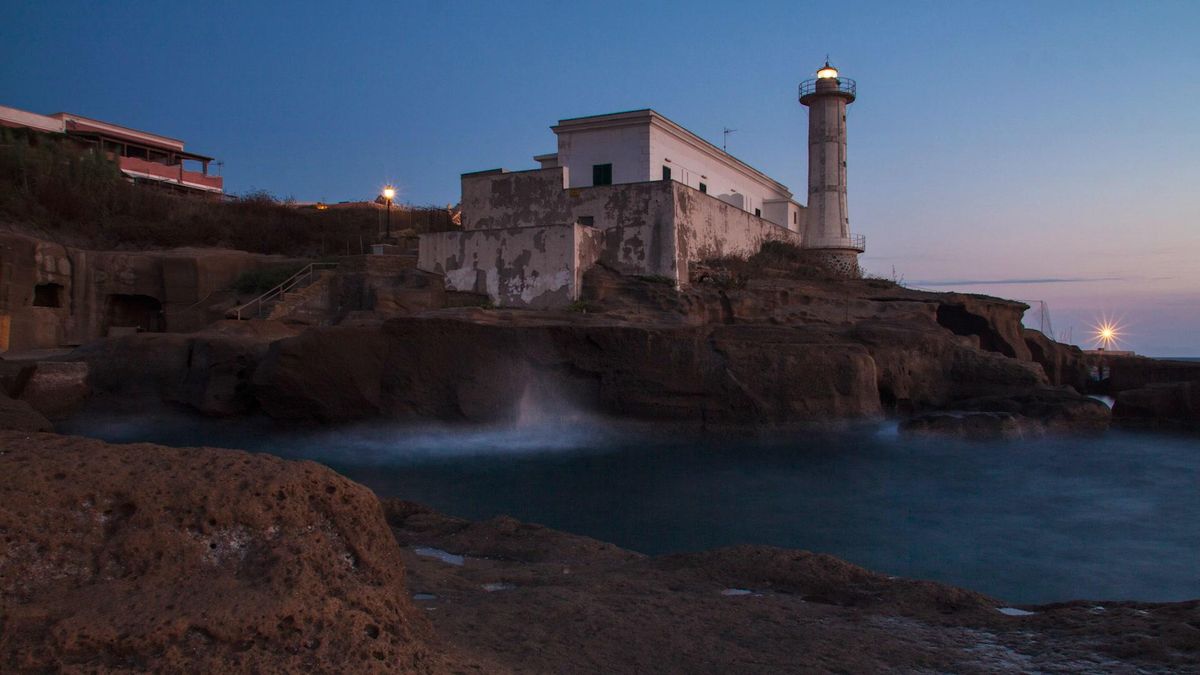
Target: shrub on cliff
x,y
782,258
64,191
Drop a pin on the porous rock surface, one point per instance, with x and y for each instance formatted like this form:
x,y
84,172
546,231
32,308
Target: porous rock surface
x,y
141,558
532,599
19,415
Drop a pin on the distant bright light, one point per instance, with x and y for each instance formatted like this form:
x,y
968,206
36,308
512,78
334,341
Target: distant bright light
x,y
827,72
389,192
1107,334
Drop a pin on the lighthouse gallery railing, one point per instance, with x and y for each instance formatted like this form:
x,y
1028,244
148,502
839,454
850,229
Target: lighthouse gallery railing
x,y
844,84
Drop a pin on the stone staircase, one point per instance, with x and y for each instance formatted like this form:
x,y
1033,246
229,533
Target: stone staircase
x,y
306,304
300,294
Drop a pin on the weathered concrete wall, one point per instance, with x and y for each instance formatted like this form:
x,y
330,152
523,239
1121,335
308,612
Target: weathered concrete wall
x,y
494,200
527,241
516,266
709,228
589,249
501,199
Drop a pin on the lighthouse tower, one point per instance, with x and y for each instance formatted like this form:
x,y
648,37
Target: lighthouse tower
x,y
827,229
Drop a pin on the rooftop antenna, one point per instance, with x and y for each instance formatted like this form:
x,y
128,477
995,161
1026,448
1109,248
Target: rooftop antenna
x,y
725,139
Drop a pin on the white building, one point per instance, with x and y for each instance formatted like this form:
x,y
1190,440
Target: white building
x,y
644,196
641,145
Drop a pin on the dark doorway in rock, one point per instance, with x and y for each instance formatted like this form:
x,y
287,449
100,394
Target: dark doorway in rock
x,y
135,311
47,295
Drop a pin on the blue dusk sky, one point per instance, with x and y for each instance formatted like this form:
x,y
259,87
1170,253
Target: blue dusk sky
x,y
1034,150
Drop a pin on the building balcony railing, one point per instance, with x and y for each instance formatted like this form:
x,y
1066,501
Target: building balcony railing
x,y
840,85
858,242
171,173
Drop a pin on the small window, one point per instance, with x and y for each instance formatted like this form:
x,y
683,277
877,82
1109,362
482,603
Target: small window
x,y
758,213
666,173
47,295
795,217
602,174
704,188
587,220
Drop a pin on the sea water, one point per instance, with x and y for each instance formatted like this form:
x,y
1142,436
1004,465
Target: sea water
x,y
1108,517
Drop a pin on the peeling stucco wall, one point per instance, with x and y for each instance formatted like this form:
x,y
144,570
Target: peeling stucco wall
x,y
527,240
516,266
589,249
708,228
501,199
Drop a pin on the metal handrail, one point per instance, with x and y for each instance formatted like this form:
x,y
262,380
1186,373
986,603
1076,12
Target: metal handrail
x,y
845,85
288,284
858,242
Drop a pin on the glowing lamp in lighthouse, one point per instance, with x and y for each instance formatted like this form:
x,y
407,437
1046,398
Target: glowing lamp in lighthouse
x,y
827,72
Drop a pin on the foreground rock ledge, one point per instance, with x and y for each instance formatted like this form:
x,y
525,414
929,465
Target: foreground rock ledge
x,y
537,600
140,558
151,559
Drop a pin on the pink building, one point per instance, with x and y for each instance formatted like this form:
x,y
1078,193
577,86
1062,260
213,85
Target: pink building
x,y
141,156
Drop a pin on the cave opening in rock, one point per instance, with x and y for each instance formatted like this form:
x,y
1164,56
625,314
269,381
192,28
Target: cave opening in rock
x,y
47,295
135,311
961,322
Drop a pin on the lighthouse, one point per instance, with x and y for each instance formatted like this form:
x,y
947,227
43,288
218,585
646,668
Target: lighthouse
x,y
827,229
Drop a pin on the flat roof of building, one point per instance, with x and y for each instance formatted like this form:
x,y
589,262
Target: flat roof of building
x,y
64,122
652,116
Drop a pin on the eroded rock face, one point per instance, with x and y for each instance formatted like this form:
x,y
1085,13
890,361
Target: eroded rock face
x,y
56,389
921,368
1025,414
481,372
20,416
208,371
775,351
1065,365
152,559
995,323
1168,403
976,426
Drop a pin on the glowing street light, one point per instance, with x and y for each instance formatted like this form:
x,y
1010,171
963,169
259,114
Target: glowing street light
x,y
389,193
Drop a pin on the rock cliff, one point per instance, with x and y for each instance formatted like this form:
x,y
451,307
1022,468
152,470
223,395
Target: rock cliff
x,y
775,351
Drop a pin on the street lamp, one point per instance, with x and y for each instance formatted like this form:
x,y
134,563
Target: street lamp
x,y
389,193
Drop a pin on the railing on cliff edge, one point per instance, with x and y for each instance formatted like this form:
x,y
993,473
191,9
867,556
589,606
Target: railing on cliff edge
x,y
304,276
